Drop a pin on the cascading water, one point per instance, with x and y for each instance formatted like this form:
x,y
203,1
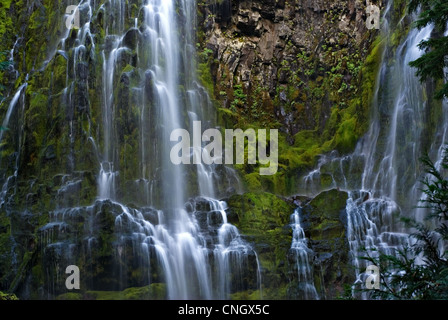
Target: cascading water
x,y
382,175
302,254
16,103
179,234
156,223
11,108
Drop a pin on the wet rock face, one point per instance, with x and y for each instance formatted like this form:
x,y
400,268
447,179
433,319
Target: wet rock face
x,y
84,237
274,45
100,240
263,220
325,224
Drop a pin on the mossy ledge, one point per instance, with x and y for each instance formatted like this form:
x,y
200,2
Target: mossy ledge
x,y
263,220
155,291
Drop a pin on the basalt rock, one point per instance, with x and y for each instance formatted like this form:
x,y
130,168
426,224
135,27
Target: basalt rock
x,y
299,66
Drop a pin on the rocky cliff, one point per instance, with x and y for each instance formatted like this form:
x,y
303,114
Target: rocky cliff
x,y
305,67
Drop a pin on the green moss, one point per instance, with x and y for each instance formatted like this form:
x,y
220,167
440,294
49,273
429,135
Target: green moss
x,y
328,204
70,296
5,249
346,137
246,295
205,77
38,275
302,155
275,293
128,68
227,118
5,18
326,180
37,107
306,139
155,291
264,220
7,296
293,160
260,211
252,182
22,270
347,124
369,72
325,210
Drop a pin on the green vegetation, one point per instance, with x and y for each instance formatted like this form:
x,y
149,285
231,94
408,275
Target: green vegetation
x,y
5,18
155,291
432,63
311,88
203,70
240,98
7,296
246,295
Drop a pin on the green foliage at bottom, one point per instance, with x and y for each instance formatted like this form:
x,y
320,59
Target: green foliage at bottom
x,y
7,296
155,291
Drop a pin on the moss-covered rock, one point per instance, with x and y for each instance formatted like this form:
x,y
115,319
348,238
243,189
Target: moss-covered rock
x,y
155,291
70,296
263,219
324,221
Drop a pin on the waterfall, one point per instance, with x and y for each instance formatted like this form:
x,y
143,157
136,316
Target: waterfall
x,y
301,255
398,168
176,232
391,156
130,81
382,175
11,108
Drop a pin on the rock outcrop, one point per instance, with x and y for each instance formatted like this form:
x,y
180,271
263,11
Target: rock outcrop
x,y
265,221
304,67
